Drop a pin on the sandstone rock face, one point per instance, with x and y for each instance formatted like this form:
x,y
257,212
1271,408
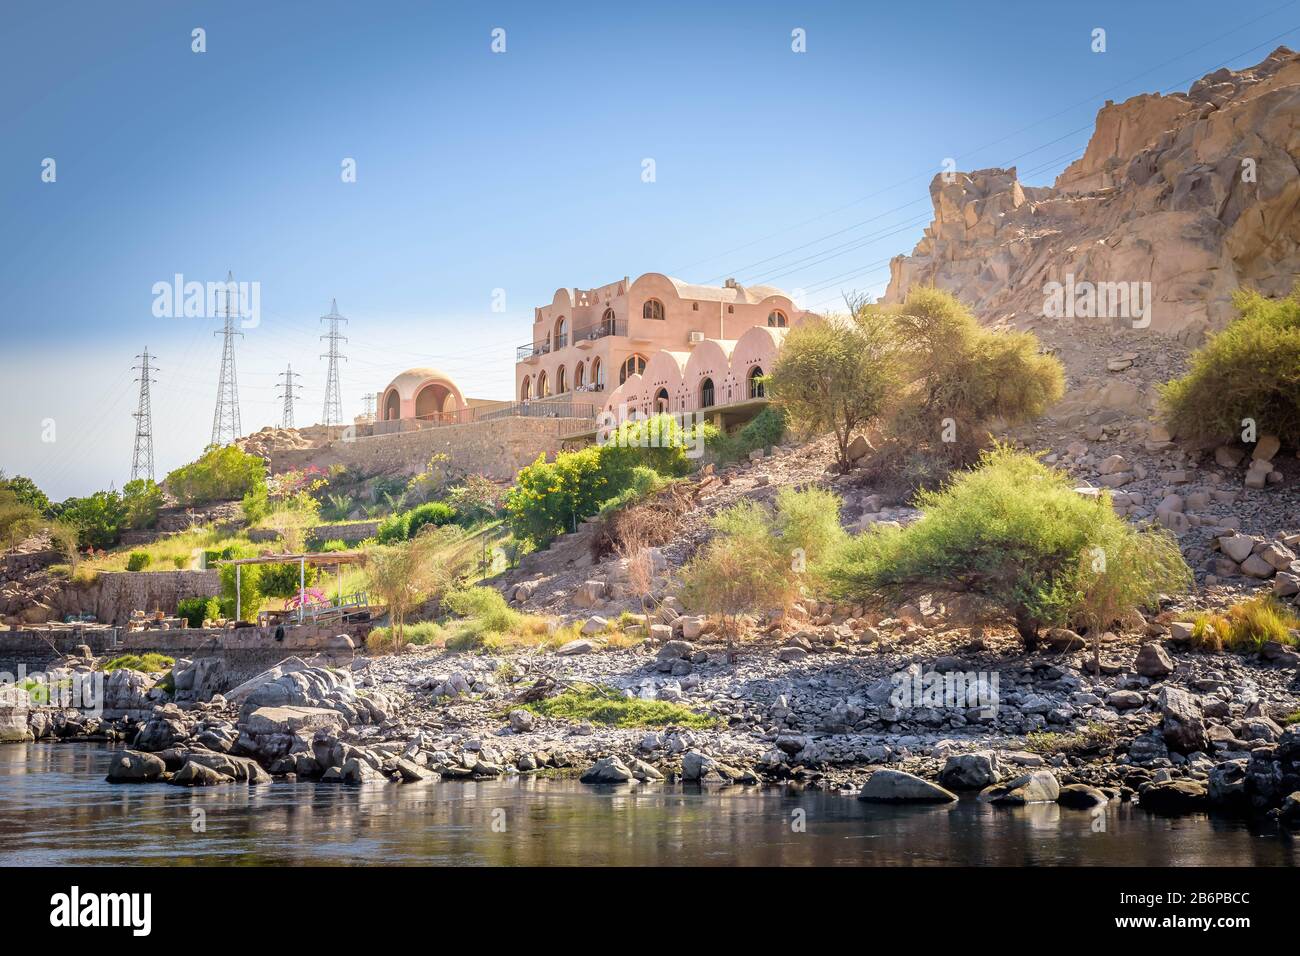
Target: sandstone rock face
x,y
1195,193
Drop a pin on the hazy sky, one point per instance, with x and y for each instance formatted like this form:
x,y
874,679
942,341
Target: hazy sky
x,y
478,171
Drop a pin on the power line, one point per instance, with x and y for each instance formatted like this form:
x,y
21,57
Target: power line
x,y
286,415
333,411
225,420
142,456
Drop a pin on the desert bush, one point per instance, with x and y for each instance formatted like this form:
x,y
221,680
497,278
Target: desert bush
x,y
651,521
486,605
419,633
836,374
138,561
196,610
1016,533
1246,626
1250,370
759,560
220,474
960,377
18,517
393,528
406,574
475,500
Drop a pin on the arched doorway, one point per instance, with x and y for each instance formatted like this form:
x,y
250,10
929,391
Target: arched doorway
x,y
561,381
756,387
526,389
543,385
661,401
392,406
706,393
433,400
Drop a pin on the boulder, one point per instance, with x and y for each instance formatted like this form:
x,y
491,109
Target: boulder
x,y
1079,796
575,647
897,786
1153,662
133,766
1040,786
292,720
1174,796
521,721
972,771
195,774
1184,725
607,770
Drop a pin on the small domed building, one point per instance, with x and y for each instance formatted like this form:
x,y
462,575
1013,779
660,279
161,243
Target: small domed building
x,y
426,394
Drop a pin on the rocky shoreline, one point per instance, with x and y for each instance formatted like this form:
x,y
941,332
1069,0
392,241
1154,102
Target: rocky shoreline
x,y
1175,730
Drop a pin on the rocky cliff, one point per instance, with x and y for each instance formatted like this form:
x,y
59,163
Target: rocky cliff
x,y
1195,194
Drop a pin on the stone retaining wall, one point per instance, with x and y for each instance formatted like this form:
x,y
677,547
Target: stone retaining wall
x,y
113,595
497,448
246,651
350,533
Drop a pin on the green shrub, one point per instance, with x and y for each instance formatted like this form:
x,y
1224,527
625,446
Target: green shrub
x,y
220,474
334,544
393,528
477,499
196,610
250,595
436,513
658,442
484,605
759,560
1015,532
420,633
1250,370
282,580
138,561
146,663
612,708
26,492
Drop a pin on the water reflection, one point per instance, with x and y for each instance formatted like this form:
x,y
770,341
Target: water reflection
x,y
56,808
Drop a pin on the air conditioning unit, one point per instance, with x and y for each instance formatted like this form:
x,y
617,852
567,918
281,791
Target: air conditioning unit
x,y
696,338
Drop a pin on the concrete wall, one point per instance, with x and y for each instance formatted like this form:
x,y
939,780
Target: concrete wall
x,y
350,533
496,448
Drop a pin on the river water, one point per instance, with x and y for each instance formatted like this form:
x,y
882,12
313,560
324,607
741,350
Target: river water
x,y
56,808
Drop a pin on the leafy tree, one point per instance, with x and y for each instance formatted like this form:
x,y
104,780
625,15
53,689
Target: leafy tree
x,y
1250,370
27,493
962,376
18,518
142,497
282,580
836,374
1016,533
98,518
222,473
196,610
476,499
249,577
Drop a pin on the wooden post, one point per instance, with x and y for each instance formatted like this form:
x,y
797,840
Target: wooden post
x,y
302,584
238,577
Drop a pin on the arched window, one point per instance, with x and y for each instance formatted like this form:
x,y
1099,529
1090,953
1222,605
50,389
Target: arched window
x,y
661,401
561,385
526,389
597,374
607,322
543,386
706,393
634,365
579,376
653,309
756,389
561,332
776,319
392,407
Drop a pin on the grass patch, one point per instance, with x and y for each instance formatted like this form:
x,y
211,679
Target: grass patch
x,y
1092,738
419,633
1290,719
1245,627
147,663
487,623
608,707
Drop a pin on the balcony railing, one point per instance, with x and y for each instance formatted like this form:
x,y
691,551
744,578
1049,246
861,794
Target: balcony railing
x,y
538,408
587,333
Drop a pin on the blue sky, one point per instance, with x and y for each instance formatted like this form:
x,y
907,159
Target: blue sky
x,y
479,171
